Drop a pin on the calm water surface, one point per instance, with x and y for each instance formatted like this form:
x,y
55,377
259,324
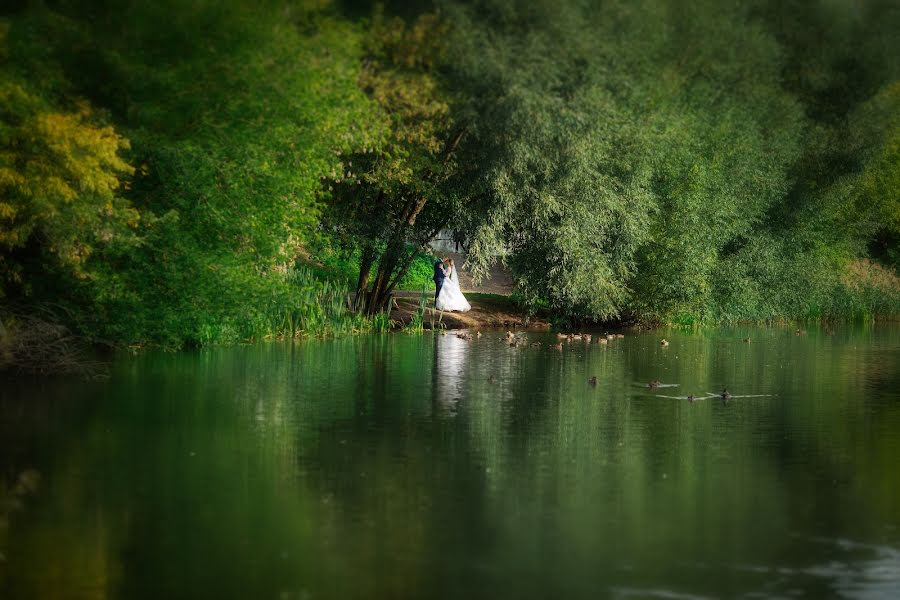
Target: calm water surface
x,y
432,467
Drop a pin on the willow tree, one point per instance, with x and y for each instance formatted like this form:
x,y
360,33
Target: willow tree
x,y
554,175
838,63
654,158
722,138
878,124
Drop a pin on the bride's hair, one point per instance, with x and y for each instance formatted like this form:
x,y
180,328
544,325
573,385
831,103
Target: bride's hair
x,y
450,262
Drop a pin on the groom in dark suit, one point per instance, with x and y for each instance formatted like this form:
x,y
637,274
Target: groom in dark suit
x,y
438,278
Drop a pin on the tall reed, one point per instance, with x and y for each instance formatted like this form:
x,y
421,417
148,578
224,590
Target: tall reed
x,y
320,307
417,321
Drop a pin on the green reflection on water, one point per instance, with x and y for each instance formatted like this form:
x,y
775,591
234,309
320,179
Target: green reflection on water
x,y
405,466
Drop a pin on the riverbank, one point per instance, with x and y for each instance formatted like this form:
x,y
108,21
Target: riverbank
x,y
489,311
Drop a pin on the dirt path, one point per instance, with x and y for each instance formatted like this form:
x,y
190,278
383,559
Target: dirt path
x,y
491,304
498,281
489,311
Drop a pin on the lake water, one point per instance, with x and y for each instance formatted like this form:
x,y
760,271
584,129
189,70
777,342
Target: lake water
x,y
428,466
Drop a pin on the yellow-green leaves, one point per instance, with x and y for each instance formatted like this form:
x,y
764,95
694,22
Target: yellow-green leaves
x,y
60,173
398,74
881,176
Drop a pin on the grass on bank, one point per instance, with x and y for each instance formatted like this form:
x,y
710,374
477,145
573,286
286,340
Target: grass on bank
x,y
315,299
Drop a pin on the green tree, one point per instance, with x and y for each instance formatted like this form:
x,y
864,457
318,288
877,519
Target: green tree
x,y
236,112
877,139
626,147
61,176
388,198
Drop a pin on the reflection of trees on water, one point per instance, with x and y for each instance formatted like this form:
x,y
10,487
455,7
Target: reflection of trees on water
x,y
622,477
43,429
318,461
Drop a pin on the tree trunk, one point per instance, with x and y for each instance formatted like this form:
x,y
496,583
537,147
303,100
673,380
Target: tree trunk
x,y
393,257
378,296
362,284
394,265
375,300
404,269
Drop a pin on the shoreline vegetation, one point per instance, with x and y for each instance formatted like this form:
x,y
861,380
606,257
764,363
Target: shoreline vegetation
x,y
180,175
42,345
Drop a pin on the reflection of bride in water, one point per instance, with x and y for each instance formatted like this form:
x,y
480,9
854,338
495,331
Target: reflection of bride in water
x,y
448,384
451,297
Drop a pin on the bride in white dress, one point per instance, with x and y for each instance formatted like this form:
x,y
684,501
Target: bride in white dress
x,y
451,298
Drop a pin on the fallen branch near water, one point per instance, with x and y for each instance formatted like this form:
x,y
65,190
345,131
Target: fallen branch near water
x,y
40,345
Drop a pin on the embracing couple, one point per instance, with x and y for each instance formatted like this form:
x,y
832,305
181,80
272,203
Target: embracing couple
x,y
447,295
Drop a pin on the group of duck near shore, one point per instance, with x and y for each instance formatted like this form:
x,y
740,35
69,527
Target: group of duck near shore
x,y
520,339
587,338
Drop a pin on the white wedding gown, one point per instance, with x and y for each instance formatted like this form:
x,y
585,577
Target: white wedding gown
x,y
451,298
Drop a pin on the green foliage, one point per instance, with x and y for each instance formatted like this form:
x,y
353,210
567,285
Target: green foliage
x,y
344,264
416,323
398,74
320,307
387,199
165,166
876,132
235,117
550,157
60,183
420,273
631,161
